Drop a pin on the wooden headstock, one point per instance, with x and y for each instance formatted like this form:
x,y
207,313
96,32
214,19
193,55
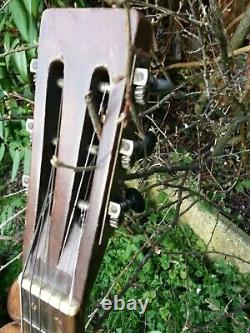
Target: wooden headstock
x,y
79,106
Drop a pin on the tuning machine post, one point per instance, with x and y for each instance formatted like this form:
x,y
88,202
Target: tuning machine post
x,y
134,150
146,84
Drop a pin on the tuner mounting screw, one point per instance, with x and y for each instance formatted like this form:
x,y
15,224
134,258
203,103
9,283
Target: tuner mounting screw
x,y
29,125
126,150
33,65
114,211
25,181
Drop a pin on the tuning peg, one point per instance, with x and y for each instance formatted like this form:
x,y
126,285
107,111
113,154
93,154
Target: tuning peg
x,y
134,150
146,146
146,84
134,200
160,86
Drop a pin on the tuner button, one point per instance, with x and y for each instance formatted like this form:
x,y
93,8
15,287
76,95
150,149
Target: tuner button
x,y
145,146
150,142
134,200
160,86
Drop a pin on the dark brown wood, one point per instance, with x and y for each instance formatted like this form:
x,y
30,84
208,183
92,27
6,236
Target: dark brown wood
x,y
72,44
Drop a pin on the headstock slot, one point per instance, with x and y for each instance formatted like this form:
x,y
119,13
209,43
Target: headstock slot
x,y
51,126
89,142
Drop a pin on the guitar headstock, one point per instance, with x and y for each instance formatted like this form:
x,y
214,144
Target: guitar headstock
x,y
83,142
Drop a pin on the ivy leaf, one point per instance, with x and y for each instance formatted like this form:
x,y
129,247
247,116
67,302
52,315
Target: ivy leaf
x,y
19,16
242,186
15,165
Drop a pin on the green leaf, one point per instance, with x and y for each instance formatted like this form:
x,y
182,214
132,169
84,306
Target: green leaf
x,y
35,5
15,165
20,17
28,6
3,73
243,185
33,34
2,20
6,41
26,162
246,183
33,37
32,7
1,129
20,62
2,151
183,275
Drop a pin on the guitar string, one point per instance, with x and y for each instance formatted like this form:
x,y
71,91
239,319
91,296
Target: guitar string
x,y
39,228
41,222
28,259
49,217
45,216
82,216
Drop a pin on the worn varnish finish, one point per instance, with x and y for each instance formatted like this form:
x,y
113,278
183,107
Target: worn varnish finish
x,y
81,40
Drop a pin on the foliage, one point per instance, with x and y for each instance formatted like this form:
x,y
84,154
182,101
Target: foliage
x,y
184,290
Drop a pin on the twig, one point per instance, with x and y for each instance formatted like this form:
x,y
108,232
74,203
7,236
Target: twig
x,y
17,118
93,115
220,318
162,169
242,30
236,20
167,12
148,256
3,224
20,97
213,231
10,262
5,4
12,194
18,49
10,238
221,38
200,63
162,101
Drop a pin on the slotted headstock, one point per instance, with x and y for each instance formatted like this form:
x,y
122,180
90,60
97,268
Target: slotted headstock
x,y
77,167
